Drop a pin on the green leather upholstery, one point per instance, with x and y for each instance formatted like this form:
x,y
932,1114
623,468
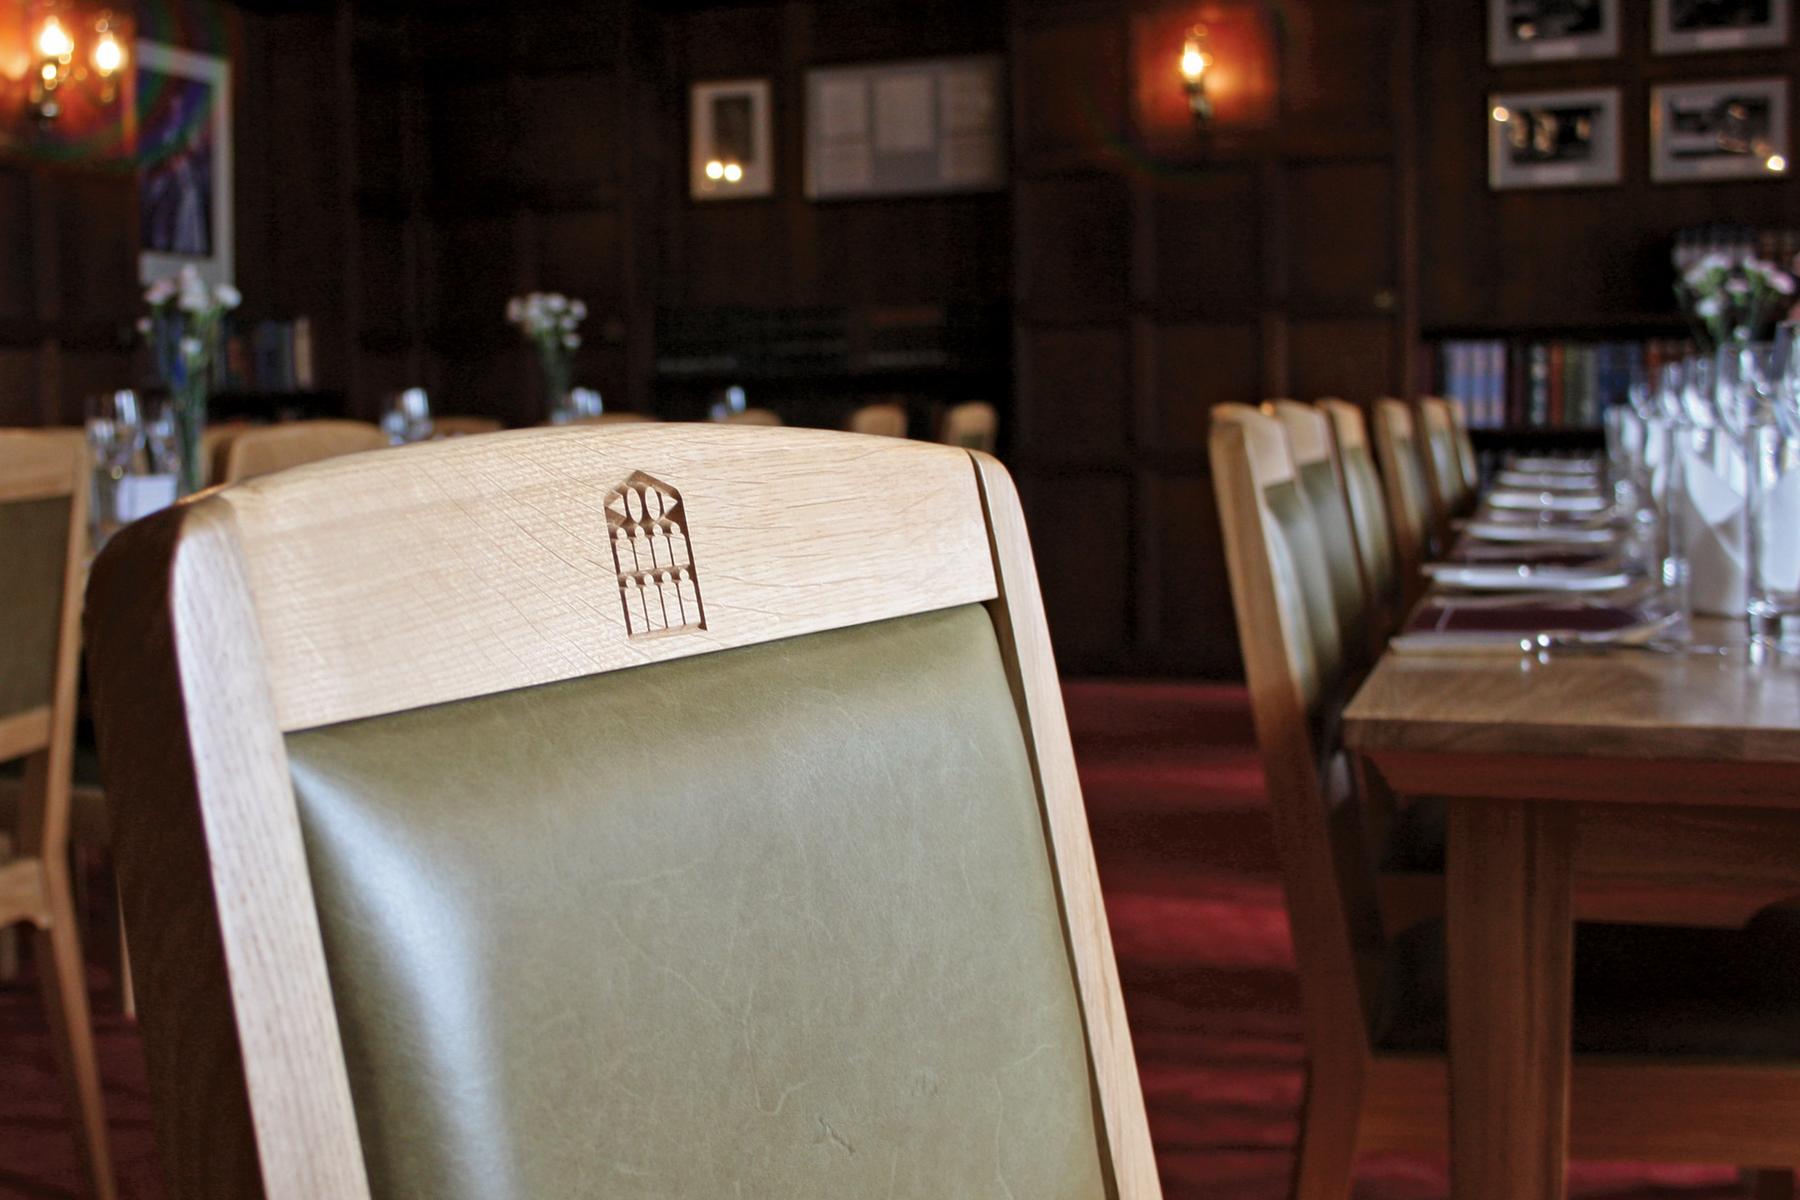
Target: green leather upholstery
x,y
1299,546
1639,989
34,548
1332,521
775,923
1370,514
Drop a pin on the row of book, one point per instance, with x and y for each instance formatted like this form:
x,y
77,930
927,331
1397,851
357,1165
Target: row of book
x,y
270,356
1558,384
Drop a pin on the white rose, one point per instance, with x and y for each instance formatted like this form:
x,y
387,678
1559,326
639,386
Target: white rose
x,y
571,341
1709,307
190,347
578,310
228,296
160,292
1782,282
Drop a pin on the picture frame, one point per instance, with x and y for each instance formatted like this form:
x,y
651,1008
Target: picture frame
x,y
184,177
1728,129
1553,139
1527,31
731,149
909,128
1708,26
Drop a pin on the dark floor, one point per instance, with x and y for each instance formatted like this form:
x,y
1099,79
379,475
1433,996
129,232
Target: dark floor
x,y
1175,796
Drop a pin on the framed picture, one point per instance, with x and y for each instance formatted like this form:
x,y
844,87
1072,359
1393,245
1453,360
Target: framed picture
x,y
1696,26
1737,129
184,162
1553,139
730,149
1547,30
905,128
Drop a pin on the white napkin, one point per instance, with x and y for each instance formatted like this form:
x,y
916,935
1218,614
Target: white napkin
x,y
1710,512
1778,534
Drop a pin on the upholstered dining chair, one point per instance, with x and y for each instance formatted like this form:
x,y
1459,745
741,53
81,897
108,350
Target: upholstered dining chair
x,y
712,828
1451,496
265,449
1321,477
881,420
44,483
973,425
622,417
1687,1044
1408,495
1368,507
753,416
464,426
1466,457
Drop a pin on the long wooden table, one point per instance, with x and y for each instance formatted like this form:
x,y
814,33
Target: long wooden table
x,y
1662,770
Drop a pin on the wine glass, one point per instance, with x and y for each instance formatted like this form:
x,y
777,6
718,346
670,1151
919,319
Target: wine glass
x,y
407,417
114,434
162,441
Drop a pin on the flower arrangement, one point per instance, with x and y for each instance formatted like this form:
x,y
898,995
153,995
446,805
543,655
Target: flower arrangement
x,y
1733,299
185,330
549,321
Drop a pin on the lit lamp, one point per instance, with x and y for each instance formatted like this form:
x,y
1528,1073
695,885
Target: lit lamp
x,y
724,171
56,68
1195,61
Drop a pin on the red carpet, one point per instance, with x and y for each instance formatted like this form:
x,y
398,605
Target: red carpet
x,y
1186,859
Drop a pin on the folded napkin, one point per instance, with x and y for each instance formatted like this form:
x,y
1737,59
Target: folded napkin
x,y
1561,466
1778,534
1538,533
1524,554
1554,502
1574,617
1709,517
1547,481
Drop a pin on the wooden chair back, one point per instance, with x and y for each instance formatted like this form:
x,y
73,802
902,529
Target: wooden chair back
x,y
879,420
463,426
754,416
270,448
615,418
974,425
215,444
708,791
1466,458
1287,631
1408,495
1321,478
44,484
1368,507
1450,495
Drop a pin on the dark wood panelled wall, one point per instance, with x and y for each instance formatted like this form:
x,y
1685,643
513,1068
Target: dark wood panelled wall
x,y
403,166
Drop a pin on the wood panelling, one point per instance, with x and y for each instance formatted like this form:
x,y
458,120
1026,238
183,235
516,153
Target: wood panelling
x,y
1069,87
1200,242
1185,369
1192,590
1340,251
18,387
1083,536
1074,247
1341,357
17,294
1077,383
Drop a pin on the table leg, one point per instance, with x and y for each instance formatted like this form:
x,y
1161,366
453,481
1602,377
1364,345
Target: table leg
x,y
1510,930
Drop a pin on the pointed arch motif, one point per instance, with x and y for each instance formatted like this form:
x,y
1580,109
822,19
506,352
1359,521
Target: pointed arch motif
x,y
659,587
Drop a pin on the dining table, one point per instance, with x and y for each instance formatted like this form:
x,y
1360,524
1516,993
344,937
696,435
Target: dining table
x,y
1632,773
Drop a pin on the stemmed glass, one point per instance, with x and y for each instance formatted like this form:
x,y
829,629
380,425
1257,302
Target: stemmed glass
x,y
408,417
115,431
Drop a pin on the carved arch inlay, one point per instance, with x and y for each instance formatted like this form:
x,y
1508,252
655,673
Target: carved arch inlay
x,y
653,559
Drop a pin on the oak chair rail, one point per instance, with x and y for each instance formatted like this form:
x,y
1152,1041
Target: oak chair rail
x,y
379,583
1408,499
886,419
973,425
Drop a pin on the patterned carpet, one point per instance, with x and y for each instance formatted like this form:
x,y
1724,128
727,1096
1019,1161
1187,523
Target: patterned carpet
x,y
1187,863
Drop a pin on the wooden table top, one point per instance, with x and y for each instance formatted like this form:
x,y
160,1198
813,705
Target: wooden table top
x,y
1627,704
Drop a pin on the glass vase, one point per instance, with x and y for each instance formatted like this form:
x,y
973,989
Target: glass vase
x,y
189,404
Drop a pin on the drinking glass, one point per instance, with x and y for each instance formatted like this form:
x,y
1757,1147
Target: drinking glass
x,y
408,417
1709,487
114,434
162,441
1773,492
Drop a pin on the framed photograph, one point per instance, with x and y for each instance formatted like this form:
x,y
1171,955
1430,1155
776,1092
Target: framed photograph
x,y
1521,31
730,149
184,162
1736,129
905,128
1553,139
1696,26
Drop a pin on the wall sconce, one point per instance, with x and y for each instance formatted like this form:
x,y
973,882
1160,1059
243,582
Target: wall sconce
x,y
725,171
1196,59
56,66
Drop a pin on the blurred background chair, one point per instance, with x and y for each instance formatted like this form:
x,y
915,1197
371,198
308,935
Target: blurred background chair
x,y
753,416
1451,495
461,426
44,485
1408,495
1368,509
269,448
973,426
881,420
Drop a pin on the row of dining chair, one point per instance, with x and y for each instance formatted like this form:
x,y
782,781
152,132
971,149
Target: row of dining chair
x,y
1672,1026
236,451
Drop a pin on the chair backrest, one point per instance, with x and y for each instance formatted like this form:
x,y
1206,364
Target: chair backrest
x,y
1368,506
1403,482
973,425
460,426
1465,450
270,448
668,802
1278,574
1443,462
44,483
753,416
880,420
1321,479
215,445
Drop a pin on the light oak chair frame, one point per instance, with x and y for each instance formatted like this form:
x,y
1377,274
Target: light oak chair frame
x,y
35,887
220,625
886,419
1409,502
1359,1099
973,425
266,449
1369,517
1466,457
1445,476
